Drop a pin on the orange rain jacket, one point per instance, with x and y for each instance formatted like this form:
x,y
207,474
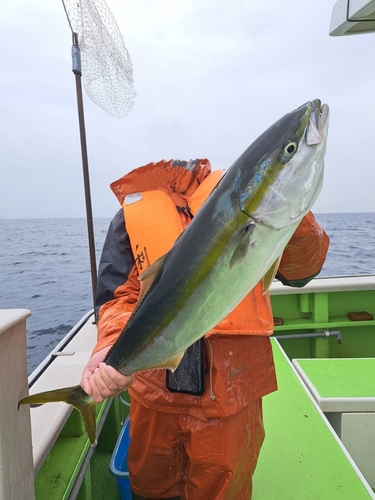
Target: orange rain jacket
x,y
158,201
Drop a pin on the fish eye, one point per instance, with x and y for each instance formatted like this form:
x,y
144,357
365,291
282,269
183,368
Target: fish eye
x,y
290,148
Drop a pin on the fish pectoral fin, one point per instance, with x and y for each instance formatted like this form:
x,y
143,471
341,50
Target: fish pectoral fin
x,y
243,247
270,275
171,363
74,396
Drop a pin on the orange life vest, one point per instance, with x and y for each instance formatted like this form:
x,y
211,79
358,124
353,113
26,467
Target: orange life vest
x,y
157,200
153,225
239,360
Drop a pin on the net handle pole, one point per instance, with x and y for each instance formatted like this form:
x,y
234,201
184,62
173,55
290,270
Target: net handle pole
x,y
85,164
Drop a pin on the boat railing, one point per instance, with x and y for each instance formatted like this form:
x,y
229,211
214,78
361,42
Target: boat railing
x,y
59,349
16,461
334,284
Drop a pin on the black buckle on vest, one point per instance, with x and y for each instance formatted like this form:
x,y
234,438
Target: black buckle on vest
x,y
185,210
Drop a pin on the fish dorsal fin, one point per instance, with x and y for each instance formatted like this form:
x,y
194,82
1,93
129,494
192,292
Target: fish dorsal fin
x,y
147,277
270,274
171,363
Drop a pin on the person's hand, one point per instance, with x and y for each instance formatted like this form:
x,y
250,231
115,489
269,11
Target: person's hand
x,y
102,381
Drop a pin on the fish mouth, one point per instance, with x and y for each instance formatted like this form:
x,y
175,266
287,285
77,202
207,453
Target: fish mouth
x,y
318,123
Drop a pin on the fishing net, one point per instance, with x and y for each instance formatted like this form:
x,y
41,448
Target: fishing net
x,y
107,71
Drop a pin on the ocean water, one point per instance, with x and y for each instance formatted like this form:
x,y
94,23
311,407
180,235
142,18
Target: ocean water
x,y
45,267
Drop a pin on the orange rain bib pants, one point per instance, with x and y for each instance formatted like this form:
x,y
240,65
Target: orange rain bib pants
x,y
167,460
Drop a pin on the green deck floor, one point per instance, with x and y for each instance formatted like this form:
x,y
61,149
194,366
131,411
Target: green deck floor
x,y
301,459
104,485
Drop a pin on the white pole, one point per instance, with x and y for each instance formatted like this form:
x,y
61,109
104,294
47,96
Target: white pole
x,y
16,460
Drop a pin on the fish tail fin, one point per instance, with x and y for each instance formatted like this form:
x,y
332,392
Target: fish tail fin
x,y
74,396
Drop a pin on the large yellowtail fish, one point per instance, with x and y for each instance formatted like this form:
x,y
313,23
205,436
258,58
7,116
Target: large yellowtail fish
x,y
235,240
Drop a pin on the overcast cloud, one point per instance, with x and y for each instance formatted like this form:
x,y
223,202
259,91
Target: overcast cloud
x,y
210,76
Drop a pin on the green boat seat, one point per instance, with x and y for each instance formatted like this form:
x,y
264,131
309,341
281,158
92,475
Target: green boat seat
x,y
340,384
345,390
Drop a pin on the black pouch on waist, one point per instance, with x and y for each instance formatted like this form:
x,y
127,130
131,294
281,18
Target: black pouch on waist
x,y
188,378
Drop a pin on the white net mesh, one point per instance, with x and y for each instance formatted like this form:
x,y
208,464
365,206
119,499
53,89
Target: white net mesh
x,y
107,71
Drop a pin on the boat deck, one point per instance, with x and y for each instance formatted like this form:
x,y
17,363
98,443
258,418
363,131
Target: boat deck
x,y
301,456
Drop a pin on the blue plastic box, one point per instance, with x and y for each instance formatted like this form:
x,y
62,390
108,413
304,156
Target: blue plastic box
x,y
119,463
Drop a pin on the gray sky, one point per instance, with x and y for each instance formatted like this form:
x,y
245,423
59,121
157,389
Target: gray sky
x,y
210,76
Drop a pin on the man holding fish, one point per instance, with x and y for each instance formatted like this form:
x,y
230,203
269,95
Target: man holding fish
x,y
183,308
